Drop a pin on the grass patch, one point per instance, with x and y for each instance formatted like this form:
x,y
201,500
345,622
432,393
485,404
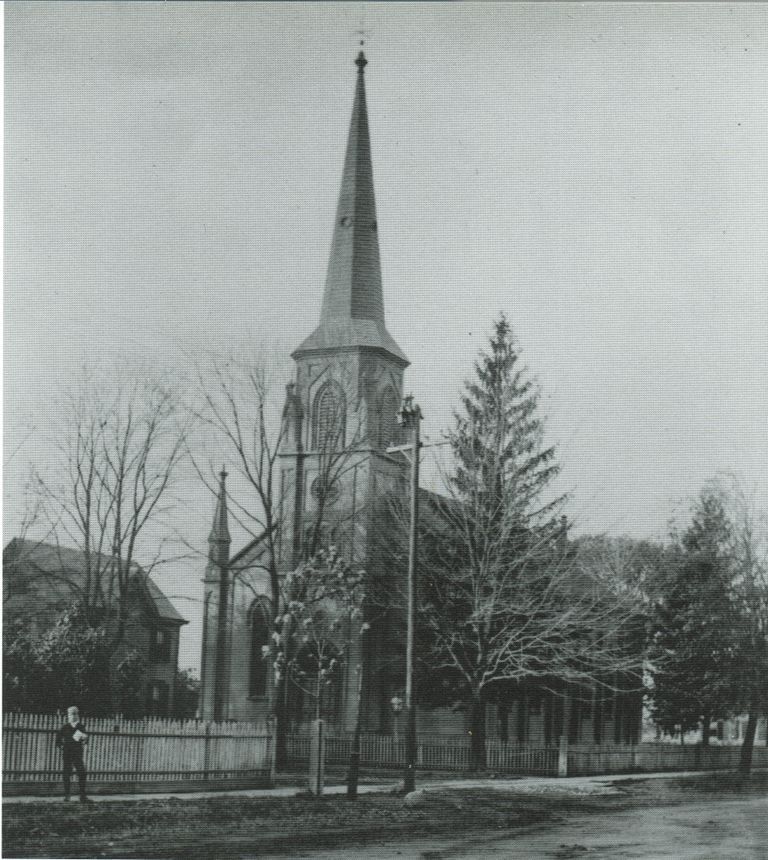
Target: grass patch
x,y
71,828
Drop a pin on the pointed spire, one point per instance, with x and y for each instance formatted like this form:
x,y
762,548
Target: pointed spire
x,y
220,530
353,303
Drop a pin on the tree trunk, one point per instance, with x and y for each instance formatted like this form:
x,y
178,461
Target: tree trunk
x,y
280,713
353,774
705,722
477,732
745,760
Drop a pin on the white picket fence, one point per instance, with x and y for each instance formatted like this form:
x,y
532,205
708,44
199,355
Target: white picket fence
x,y
452,753
138,751
154,751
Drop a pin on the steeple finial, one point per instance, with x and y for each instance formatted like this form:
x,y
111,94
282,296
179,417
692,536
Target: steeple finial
x,y
361,62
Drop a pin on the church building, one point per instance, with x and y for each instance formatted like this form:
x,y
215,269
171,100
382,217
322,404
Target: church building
x,y
335,467
339,419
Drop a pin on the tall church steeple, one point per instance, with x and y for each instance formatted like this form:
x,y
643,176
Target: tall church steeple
x,y
353,305
349,373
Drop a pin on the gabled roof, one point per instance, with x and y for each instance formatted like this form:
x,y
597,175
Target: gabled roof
x,y
62,568
246,557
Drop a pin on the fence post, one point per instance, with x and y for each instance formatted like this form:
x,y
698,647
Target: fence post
x,y
138,760
562,757
207,751
272,729
317,758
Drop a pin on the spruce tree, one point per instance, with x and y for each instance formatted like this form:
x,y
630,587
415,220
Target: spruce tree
x,y
503,600
503,466
695,624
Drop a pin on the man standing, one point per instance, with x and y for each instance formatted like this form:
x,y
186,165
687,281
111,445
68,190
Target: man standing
x,y
71,739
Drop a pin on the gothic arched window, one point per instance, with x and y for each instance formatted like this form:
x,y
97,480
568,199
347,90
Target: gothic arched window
x,y
388,418
259,617
328,418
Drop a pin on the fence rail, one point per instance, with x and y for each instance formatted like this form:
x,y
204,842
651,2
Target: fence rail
x,y
138,751
434,752
453,753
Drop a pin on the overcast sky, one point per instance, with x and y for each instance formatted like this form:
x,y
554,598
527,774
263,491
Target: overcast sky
x,y
598,172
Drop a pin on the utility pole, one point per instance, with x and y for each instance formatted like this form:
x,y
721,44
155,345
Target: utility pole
x,y
410,419
218,563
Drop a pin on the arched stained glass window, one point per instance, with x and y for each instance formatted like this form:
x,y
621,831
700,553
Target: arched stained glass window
x,y
259,666
328,418
388,406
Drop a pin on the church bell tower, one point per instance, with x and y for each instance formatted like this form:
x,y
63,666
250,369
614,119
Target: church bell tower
x,y
349,377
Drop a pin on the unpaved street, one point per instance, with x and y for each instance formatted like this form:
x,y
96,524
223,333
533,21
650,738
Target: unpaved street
x,y
711,830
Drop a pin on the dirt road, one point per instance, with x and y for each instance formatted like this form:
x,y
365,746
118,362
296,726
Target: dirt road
x,y
711,830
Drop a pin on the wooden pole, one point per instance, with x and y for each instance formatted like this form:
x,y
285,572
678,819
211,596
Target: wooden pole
x,y
412,418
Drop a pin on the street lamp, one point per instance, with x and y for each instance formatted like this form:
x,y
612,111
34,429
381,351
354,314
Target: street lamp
x,y
409,418
397,708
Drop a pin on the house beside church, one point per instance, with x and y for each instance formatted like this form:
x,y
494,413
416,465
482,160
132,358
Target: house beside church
x,y
40,580
343,403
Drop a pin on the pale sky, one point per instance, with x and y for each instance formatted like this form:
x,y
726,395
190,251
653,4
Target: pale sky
x,y
599,172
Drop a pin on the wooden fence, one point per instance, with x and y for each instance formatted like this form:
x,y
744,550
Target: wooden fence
x,y
156,754
452,754
128,754
434,752
657,757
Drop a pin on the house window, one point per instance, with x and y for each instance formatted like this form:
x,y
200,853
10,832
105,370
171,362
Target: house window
x,y
388,419
157,699
259,664
160,649
328,418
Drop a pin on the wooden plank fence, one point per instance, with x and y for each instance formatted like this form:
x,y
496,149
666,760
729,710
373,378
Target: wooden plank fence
x,y
657,757
452,754
434,752
138,751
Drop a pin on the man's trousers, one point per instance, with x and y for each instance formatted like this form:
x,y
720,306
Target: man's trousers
x,y
73,760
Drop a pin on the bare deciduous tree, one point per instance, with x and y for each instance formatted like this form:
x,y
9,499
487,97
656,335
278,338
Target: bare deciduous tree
x,y
498,614
120,439
239,402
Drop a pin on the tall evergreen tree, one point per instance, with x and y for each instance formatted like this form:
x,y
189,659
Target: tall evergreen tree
x,y
695,623
498,438
749,550
503,597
